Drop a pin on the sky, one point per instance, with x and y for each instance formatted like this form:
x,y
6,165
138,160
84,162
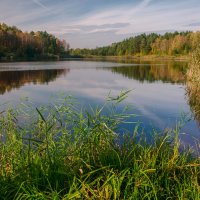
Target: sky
x,y
94,23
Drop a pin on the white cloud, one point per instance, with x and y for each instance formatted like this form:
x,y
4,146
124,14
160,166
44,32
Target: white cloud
x,y
69,19
39,4
145,17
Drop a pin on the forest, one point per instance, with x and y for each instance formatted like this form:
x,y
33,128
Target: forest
x,y
177,43
15,44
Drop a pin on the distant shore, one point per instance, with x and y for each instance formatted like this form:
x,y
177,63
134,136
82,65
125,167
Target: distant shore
x,y
185,58
45,59
141,58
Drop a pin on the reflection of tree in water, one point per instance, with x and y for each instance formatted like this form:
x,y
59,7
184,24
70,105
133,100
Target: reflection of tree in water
x,y
193,95
169,72
15,79
193,85
173,72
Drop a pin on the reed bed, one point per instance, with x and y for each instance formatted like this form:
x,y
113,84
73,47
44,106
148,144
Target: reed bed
x,y
63,152
193,84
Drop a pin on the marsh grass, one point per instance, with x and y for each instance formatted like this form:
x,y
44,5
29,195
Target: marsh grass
x,y
193,84
194,67
62,152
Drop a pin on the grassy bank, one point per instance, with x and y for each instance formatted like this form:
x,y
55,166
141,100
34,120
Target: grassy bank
x,y
140,58
193,84
45,58
61,152
193,73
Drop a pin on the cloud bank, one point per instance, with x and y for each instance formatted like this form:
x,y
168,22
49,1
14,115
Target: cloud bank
x,y
91,23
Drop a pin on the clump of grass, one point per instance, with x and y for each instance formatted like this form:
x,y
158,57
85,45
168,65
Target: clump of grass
x,y
193,73
193,84
67,153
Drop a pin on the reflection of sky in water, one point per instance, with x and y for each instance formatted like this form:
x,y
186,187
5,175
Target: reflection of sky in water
x,y
159,104
56,65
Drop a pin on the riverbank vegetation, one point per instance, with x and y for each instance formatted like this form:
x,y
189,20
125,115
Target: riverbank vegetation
x,y
193,84
169,44
18,45
62,152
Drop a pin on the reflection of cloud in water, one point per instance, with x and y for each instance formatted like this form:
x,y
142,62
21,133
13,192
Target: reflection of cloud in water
x,y
153,116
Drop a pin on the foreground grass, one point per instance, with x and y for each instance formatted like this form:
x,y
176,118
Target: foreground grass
x,y
59,152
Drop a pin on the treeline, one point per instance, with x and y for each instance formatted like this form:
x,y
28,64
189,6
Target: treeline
x,y
177,43
15,44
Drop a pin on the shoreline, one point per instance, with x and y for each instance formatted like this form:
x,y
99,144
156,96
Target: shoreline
x,y
179,58
141,58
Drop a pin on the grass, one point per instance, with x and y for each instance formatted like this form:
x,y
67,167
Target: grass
x,y
193,84
141,58
194,67
61,152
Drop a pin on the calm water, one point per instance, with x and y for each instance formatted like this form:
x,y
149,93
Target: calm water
x,y
160,94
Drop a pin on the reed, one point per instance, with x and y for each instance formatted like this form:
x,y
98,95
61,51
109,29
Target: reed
x,y
193,84
63,152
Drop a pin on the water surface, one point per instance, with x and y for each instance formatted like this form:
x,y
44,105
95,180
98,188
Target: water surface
x,y
160,93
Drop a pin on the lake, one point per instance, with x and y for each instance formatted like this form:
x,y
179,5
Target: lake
x,y
160,94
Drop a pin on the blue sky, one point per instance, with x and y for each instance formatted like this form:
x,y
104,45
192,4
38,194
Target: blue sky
x,y
91,23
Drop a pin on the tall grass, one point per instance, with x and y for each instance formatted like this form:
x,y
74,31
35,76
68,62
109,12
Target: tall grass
x,y
193,84
194,68
61,152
